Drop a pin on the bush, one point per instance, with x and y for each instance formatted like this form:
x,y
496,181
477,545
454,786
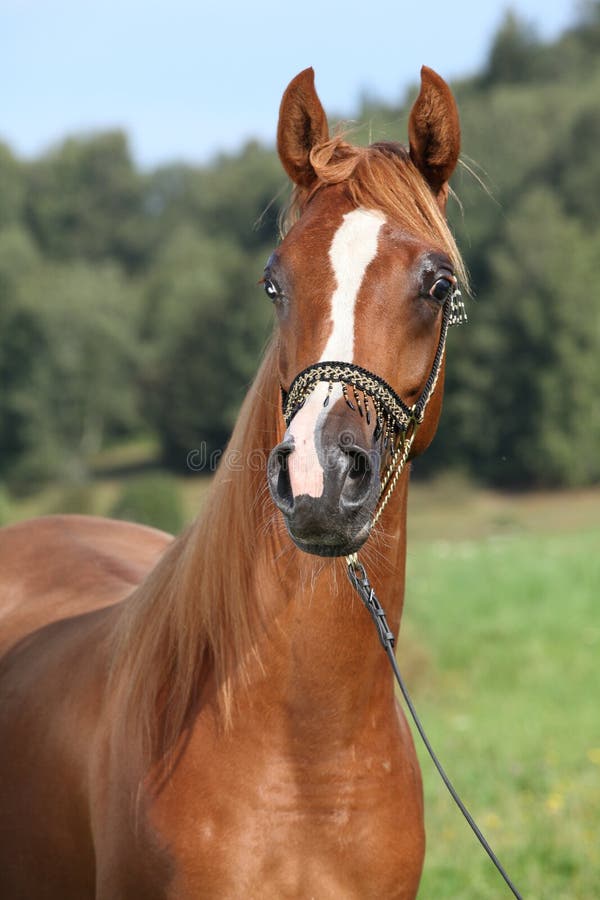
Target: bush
x,y
77,499
4,507
151,500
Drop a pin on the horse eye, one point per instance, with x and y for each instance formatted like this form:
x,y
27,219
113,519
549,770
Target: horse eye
x,y
272,289
441,288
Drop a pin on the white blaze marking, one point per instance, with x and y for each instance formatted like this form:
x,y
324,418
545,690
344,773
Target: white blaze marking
x,y
353,247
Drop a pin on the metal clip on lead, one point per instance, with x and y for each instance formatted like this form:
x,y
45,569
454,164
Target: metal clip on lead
x,y
360,581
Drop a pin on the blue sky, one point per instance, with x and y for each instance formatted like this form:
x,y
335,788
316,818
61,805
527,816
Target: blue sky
x,y
187,79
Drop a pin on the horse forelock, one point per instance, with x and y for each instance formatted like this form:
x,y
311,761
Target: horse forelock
x,y
380,177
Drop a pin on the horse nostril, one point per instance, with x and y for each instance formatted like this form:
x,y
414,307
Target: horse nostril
x,y
279,478
360,465
358,484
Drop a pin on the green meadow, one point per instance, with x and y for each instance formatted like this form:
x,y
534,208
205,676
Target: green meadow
x,y
501,647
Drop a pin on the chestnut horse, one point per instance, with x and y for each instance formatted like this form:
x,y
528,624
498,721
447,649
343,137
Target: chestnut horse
x,y
213,716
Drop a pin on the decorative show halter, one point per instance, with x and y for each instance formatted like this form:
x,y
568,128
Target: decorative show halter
x,y
396,423
395,429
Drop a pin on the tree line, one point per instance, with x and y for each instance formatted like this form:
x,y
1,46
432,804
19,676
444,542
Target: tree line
x,y
129,302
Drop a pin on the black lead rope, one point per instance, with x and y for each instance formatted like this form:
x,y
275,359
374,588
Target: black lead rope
x,y
360,581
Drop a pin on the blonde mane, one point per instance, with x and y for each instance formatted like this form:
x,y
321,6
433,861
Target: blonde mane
x,y
197,613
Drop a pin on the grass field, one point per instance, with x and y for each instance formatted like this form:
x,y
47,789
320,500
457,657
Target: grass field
x,y
500,647
501,639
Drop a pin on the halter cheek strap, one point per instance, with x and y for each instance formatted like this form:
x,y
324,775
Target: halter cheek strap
x,y
396,422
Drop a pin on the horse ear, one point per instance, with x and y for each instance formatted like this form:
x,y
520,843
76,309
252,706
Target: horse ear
x,y
302,124
434,132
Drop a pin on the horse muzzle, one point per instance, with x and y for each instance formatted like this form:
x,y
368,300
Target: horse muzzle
x,y
338,521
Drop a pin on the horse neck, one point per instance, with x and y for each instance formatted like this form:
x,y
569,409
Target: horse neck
x,y
323,650
304,640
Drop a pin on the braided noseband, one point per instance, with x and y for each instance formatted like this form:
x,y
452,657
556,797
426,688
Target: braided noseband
x,y
396,422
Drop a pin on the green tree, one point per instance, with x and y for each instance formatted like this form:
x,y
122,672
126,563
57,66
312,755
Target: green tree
x,y
522,405
235,197
512,52
208,322
77,386
85,200
152,499
579,168
12,188
19,338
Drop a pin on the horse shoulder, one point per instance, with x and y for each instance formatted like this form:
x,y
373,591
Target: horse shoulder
x,y
69,815
49,698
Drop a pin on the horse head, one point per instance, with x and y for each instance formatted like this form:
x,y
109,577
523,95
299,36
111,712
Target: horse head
x,y
364,284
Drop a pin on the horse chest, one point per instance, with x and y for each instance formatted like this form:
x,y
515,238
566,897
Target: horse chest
x,y
277,827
